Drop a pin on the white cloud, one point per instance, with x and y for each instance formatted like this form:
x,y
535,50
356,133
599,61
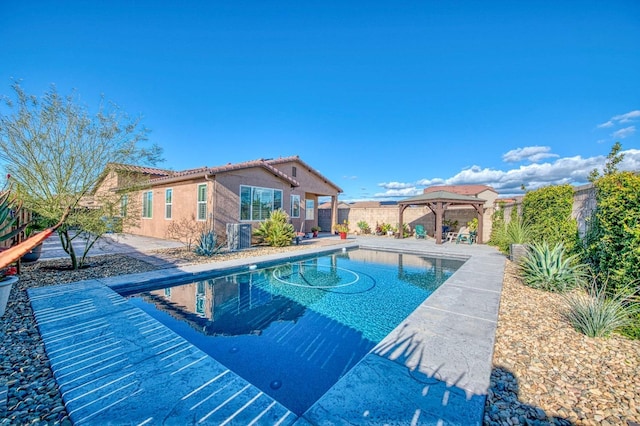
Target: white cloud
x,y
605,125
625,118
622,118
531,153
399,193
397,185
571,170
623,133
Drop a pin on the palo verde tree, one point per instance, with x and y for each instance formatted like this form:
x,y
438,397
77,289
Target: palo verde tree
x,y
56,150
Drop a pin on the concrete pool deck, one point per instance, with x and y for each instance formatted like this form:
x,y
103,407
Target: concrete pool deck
x,y
115,364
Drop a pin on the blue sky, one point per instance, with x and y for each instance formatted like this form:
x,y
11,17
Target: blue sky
x,y
384,98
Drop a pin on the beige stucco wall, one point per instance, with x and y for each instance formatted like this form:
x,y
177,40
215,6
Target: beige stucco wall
x,y
415,215
223,198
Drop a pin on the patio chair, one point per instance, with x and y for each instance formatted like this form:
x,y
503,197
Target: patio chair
x,y
420,232
468,237
453,236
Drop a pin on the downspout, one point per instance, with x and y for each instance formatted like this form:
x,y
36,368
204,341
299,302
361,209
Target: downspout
x,y
212,215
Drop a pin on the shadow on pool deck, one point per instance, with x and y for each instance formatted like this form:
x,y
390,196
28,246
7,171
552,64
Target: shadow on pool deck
x,y
116,364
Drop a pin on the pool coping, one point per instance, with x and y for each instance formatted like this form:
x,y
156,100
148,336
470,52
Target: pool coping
x,y
433,368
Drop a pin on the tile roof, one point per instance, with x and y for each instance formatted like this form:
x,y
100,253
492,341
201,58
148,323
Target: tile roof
x,y
460,189
191,173
141,169
296,158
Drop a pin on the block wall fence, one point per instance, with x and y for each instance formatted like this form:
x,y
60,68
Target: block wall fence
x,y
584,203
412,216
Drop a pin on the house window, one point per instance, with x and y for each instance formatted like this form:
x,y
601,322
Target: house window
x,y
295,206
200,298
309,209
294,171
202,201
168,201
147,204
257,203
124,203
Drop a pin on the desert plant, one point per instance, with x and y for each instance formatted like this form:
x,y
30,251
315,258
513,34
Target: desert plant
x,y
385,227
185,230
9,209
452,224
549,268
56,151
364,227
208,244
276,231
406,231
596,314
516,231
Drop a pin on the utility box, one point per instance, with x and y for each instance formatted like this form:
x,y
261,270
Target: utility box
x,y
238,236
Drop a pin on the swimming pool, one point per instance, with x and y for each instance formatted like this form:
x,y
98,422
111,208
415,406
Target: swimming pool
x,y
294,329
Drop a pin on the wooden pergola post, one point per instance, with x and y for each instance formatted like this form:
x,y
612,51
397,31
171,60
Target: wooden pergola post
x,y
438,202
400,224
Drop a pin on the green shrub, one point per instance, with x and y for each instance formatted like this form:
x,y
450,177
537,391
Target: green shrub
x,y
208,244
612,241
276,231
364,227
548,268
515,232
597,314
547,211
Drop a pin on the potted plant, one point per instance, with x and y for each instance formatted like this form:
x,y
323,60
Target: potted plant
x,y
8,277
9,209
364,227
315,230
342,229
35,226
473,228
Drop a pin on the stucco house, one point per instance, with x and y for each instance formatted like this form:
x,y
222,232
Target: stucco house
x,y
232,193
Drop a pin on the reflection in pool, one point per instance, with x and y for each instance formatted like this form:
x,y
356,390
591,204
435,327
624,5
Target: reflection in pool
x,y
294,329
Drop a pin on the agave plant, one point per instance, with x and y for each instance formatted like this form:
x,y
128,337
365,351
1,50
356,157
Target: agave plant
x,y
208,244
9,209
549,268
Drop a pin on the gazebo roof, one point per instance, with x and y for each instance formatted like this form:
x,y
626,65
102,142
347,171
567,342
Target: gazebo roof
x,y
445,196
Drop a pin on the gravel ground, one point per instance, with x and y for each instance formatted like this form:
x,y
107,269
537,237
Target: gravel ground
x,y
544,372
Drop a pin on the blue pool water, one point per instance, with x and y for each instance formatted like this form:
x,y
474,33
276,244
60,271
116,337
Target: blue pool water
x,y
294,329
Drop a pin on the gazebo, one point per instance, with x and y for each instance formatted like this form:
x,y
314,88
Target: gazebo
x,y
438,201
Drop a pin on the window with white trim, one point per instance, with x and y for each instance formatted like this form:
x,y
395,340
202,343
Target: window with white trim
x,y
147,204
257,203
309,207
168,202
295,205
124,204
202,201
